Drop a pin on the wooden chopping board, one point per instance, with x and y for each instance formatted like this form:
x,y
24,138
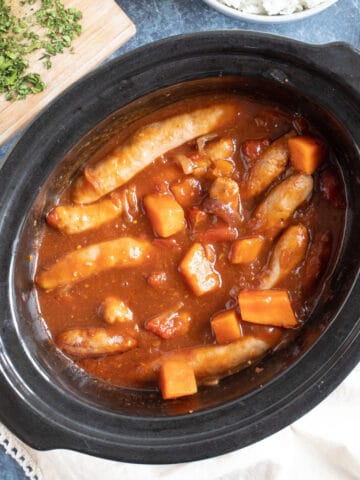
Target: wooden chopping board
x,y
105,27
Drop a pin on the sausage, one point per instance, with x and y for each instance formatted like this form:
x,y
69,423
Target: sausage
x,y
92,342
85,262
273,213
72,219
144,146
269,166
209,361
288,253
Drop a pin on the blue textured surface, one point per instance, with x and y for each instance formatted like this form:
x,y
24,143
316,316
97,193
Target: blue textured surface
x,y
156,19
9,469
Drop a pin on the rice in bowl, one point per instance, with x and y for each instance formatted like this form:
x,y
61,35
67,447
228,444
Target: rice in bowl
x,y
271,7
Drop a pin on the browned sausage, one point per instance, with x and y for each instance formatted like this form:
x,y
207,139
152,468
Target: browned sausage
x,y
72,219
288,253
144,147
270,165
209,361
92,342
85,262
273,213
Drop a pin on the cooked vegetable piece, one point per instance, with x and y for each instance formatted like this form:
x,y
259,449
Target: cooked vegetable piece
x,y
169,324
199,271
115,311
226,327
226,191
227,243
219,233
127,200
223,168
330,187
220,149
144,146
176,379
270,165
267,307
72,219
246,250
196,217
186,163
187,192
210,361
274,211
92,342
83,263
253,149
165,214
288,253
306,153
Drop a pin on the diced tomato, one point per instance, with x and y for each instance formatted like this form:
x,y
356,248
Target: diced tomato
x,y
331,189
170,324
252,149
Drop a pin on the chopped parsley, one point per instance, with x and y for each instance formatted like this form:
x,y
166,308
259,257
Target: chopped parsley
x,y
48,27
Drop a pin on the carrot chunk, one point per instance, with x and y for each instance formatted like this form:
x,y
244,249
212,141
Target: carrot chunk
x,y
245,250
165,214
199,271
226,327
177,379
267,307
306,153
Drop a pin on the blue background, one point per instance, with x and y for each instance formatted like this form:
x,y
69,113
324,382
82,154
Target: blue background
x,y
157,19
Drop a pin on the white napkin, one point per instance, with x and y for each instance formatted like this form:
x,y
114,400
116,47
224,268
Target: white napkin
x,y
324,444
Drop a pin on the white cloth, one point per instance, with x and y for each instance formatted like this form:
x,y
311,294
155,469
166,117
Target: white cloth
x,y
322,445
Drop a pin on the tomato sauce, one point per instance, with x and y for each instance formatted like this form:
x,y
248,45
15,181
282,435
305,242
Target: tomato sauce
x,y
157,286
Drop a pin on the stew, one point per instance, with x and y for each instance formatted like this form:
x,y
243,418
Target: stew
x,y
194,248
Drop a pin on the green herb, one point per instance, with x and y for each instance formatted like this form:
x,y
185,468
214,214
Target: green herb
x,y
57,27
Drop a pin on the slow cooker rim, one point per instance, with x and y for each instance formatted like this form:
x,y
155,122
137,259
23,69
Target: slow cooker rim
x,y
164,41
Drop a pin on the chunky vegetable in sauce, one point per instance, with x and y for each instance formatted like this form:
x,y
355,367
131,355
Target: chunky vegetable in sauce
x,y
193,248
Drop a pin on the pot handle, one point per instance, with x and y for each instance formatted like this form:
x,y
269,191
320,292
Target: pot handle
x,y
341,59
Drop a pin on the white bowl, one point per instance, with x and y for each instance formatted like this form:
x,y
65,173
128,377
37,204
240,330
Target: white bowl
x,y
252,17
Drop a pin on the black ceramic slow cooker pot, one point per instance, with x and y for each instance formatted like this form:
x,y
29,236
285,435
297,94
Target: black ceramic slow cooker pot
x,y
43,398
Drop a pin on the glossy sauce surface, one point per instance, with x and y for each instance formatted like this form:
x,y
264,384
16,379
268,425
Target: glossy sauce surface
x,y
157,286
